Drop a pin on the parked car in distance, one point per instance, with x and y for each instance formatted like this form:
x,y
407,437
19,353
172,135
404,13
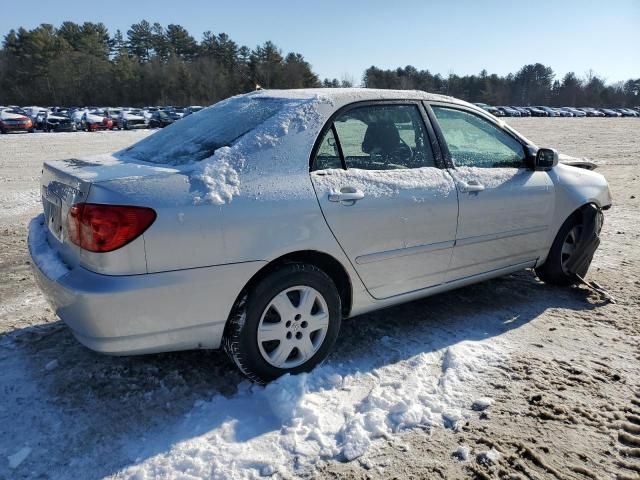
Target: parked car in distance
x,y
509,112
549,111
58,122
563,112
574,111
178,112
147,112
523,111
132,119
97,119
240,234
175,113
192,109
114,115
159,119
592,112
608,112
627,112
15,120
491,109
76,115
35,114
537,112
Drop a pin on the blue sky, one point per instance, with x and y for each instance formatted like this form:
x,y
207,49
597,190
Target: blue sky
x,y
344,38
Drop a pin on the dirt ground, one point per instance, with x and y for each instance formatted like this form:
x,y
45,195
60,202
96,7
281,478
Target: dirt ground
x,y
566,402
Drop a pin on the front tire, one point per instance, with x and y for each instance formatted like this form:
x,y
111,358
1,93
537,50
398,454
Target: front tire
x,y
554,271
287,323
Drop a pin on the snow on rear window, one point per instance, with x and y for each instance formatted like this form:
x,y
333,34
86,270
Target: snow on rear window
x,y
200,134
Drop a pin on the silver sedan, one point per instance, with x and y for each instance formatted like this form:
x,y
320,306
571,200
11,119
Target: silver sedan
x,y
259,223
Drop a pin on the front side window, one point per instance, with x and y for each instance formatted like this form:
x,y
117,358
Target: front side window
x,y
476,142
384,137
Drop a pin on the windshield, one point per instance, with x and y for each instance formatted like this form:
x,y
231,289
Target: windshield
x,y
199,135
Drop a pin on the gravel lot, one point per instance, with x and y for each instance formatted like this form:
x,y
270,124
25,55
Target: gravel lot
x,y
565,401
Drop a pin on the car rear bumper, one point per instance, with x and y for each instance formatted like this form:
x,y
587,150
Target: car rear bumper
x,y
134,314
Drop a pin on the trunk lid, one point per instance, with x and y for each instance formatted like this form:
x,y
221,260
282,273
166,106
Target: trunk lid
x,y
67,182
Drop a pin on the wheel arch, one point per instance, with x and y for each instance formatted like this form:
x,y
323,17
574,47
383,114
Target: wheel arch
x,y
325,262
578,212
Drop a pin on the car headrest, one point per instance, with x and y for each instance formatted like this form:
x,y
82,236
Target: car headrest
x,y
381,138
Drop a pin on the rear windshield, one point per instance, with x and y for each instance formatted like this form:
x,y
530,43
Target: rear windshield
x,y
198,136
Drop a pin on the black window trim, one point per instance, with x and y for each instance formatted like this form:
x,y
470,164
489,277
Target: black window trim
x,y
438,156
529,150
336,139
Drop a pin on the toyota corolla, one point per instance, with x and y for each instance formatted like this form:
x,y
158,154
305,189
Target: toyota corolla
x,y
259,223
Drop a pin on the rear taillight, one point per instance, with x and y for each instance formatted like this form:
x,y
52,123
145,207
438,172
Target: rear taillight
x,y
104,228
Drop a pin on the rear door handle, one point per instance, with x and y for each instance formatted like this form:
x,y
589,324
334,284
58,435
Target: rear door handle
x,y
346,194
471,186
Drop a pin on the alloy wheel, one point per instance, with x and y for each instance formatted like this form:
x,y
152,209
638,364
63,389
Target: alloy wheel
x,y
569,246
293,327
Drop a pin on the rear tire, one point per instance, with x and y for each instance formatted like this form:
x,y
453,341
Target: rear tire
x,y
287,323
553,270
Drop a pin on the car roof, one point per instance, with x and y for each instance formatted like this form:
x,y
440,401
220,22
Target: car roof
x,y
343,96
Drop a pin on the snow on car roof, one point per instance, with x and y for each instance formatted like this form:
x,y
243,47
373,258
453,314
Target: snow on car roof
x,y
343,96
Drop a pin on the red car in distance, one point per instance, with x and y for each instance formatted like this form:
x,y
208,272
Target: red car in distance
x,y
96,120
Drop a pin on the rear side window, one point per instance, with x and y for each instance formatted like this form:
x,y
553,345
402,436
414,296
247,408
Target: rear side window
x,y
383,137
328,155
476,142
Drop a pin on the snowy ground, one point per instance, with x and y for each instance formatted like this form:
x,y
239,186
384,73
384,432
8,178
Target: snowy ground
x,y
505,379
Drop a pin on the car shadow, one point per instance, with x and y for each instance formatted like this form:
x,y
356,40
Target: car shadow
x,y
106,403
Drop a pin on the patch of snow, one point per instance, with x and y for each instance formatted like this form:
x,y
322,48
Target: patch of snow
x,y
427,181
16,203
482,403
45,258
334,412
17,458
462,453
220,176
491,456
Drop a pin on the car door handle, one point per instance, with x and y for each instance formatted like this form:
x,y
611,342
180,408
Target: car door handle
x,y
471,186
346,195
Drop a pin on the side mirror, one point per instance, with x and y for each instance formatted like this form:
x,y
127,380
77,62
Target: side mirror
x,y
546,159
